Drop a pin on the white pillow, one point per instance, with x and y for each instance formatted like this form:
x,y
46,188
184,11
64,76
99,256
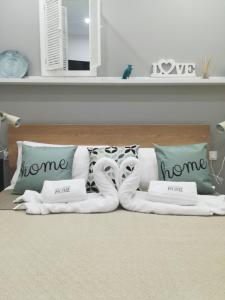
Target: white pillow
x,y
149,167
80,162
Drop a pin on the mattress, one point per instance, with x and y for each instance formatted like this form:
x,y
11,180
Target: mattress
x,y
119,255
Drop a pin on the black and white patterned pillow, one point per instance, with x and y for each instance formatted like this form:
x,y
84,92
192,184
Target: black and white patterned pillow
x,y
116,153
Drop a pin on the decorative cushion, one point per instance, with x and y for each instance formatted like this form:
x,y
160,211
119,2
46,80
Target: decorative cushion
x,y
80,162
43,163
116,153
185,163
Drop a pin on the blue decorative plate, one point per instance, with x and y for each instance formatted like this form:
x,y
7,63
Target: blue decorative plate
x,y
13,64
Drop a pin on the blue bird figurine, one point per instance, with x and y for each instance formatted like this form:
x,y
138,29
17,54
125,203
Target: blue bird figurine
x,y
127,72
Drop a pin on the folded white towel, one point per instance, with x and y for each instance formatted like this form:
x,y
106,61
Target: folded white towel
x,y
179,193
64,191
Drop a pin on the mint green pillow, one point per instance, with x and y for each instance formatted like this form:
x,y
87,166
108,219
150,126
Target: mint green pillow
x,y
185,163
43,163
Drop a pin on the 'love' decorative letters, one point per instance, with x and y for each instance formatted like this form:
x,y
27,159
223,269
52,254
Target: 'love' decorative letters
x,y
169,68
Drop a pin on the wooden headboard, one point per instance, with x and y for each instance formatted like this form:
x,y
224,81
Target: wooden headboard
x,y
144,135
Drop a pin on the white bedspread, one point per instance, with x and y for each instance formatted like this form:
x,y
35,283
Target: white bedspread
x,y
133,200
105,201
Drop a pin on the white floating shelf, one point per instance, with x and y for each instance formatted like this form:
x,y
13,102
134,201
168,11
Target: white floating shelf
x,y
112,81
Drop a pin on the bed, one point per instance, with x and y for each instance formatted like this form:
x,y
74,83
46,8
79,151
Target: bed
x,y
117,255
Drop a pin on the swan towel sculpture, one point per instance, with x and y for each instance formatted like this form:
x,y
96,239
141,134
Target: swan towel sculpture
x,y
105,201
133,200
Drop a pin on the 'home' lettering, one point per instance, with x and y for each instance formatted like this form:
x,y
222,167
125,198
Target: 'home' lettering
x,y
178,170
34,169
175,188
64,189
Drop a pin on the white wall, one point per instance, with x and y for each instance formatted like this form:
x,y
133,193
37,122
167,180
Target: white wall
x,y
78,48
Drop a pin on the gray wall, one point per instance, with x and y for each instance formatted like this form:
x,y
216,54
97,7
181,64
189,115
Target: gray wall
x,y
137,32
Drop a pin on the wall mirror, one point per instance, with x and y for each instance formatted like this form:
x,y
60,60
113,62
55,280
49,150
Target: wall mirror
x,y
70,37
